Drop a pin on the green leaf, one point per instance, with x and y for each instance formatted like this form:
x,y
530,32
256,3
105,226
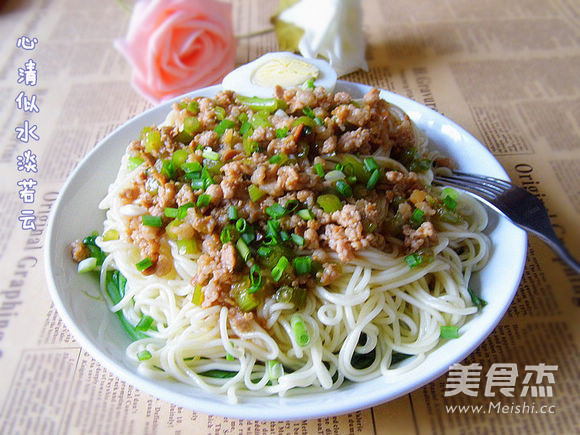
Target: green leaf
x,y
288,35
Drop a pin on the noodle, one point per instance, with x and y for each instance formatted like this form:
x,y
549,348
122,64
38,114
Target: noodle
x,y
378,309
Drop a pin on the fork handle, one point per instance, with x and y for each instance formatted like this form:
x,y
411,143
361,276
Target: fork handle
x,y
555,243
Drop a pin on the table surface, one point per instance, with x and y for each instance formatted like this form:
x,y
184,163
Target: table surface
x,y
508,72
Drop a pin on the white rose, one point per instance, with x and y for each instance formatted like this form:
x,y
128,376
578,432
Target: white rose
x,y
332,29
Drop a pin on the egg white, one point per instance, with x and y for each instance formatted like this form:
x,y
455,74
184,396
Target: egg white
x,y
241,80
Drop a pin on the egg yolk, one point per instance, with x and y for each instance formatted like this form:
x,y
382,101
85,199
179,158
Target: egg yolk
x,y
286,72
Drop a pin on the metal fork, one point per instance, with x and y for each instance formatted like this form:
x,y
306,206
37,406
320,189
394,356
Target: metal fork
x,y
517,204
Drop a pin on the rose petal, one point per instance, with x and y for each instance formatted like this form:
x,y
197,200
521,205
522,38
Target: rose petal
x,y
175,46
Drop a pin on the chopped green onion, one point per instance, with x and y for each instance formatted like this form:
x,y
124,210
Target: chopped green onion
x,y
275,211
232,212
168,169
197,297
308,84
225,235
279,159
260,104
449,331
187,247
449,198
270,240
210,154
218,374
307,121
110,234
243,117
134,162
417,217
251,146
170,212
374,179
308,112
224,125
279,269
245,128
448,216
299,240
146,263
247,301
229,357
249,235
274,369
179,157
420,165
241,225
284,236
255,192
144,132
144,355
87,265
300,331
281,132
193,107
370,164
152,141
207,178
302,265
273,227
264,251
305,214
359,170
477,301
243,249
329,203
182,210
152,221
319,121
344,188
203,200
255,278
413,260
91,245
295,295
197,183
334,175
259,119
145,323
191,167
191,125
319,170
220,113
291,205
171,228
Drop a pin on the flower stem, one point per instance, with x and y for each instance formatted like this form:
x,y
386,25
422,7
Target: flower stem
x,y
124,6
256,33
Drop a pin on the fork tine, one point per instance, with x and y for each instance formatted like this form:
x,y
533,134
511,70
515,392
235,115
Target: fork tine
x,y
514,202
478,189
494,185
496,182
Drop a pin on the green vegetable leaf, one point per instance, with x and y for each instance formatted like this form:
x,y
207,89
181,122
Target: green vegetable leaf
x,y
288,35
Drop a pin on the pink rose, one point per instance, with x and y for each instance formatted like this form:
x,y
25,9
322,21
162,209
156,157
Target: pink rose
x,y
176,46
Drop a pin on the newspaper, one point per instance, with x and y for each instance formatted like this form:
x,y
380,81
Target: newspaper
x,y
506,71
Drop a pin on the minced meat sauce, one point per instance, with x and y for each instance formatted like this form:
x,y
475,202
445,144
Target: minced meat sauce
x,y
262,191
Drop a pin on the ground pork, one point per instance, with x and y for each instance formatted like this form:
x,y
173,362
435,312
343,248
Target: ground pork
x,y
279,173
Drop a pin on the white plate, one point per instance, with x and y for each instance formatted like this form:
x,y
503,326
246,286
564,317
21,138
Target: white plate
x,y
75,214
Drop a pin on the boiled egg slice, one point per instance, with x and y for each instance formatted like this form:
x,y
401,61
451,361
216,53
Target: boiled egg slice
x,y
259,77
